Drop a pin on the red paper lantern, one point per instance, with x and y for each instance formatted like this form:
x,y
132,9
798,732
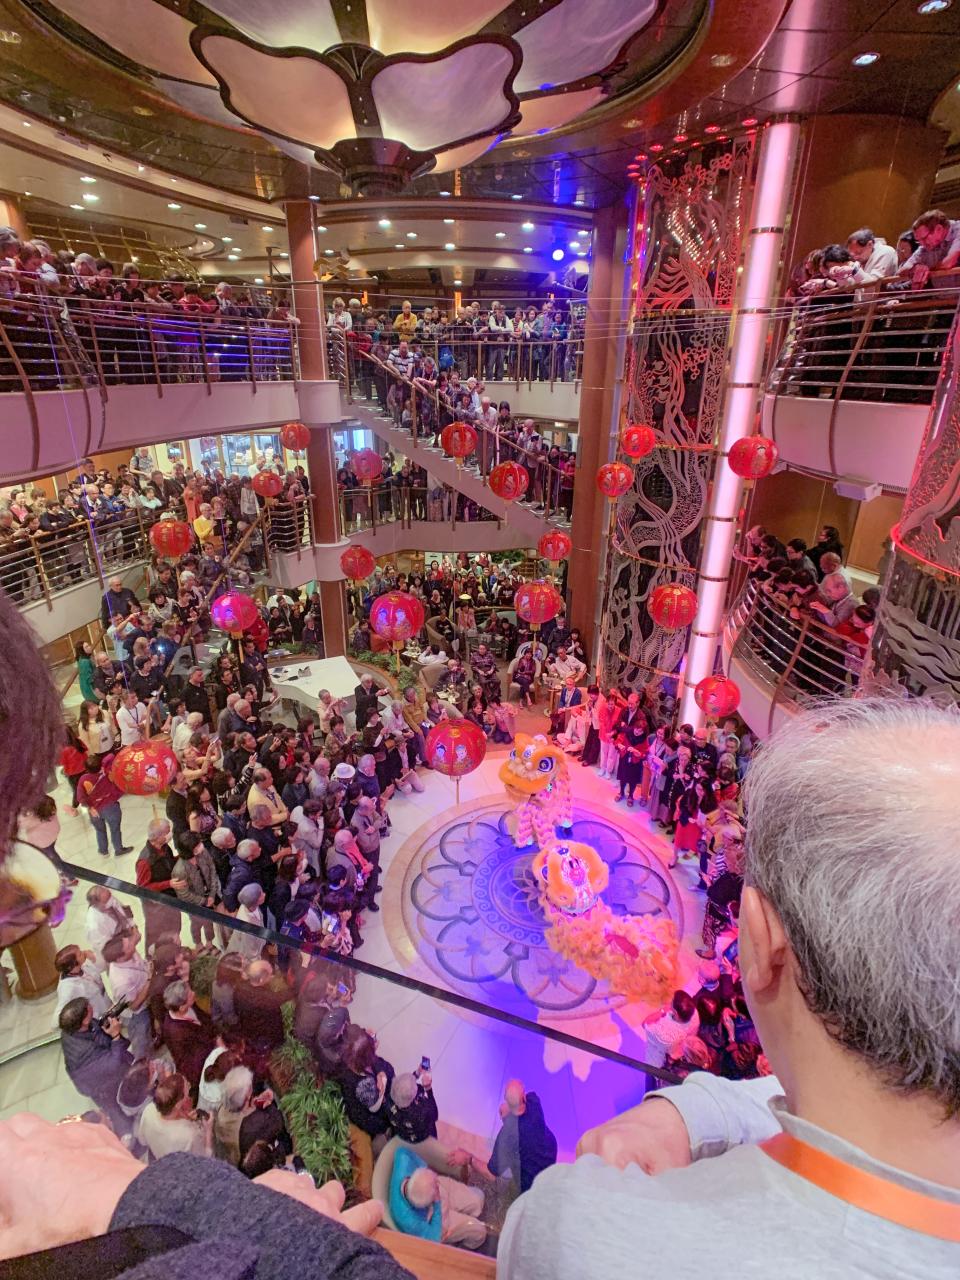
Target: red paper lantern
x,y
555,545
171,537
717,695
143,769
459,440
638,440
614,479
234,612
357,563
753,457
537,602
267,484
295,436
455,747
509,480
396,616
367,465
672,606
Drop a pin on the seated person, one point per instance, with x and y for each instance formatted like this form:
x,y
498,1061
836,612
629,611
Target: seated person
x,y
432,656
570,697
425,1204
573,736
485,668
564,665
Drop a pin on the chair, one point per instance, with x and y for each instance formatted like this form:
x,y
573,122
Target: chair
x,y
515,688
538,647
434,636
431,675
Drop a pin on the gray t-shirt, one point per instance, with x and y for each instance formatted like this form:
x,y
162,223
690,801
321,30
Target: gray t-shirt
x,y
738,1213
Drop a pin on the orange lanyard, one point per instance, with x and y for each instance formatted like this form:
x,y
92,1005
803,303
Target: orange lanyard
x,y
867,1191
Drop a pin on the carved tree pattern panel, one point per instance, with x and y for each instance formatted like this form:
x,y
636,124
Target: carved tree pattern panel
x,y
689,241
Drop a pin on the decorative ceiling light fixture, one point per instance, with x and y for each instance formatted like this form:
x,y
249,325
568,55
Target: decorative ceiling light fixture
x,y
343,85
865,59
933,6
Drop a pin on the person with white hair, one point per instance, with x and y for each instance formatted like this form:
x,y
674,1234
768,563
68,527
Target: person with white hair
x,y
169,1124
458,1207
251,899
181,739
236,1095
850,962
413,1108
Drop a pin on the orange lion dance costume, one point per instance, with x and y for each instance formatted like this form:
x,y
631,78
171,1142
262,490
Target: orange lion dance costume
x,y
535,773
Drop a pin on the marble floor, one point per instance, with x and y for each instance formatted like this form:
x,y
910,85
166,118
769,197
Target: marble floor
x,y
472,1055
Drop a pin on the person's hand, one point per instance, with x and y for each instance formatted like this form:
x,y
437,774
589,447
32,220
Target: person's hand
x,y
263,1100
178,884
921,274
652,1135
459,1156
381,1082
58,1183
328,1200
426,1079
112,1027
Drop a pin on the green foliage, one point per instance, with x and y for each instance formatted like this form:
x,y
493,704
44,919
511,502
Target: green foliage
x,y
407,677
313,1111
381,660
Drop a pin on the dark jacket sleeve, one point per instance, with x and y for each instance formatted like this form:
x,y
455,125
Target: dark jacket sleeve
x,y
207,1199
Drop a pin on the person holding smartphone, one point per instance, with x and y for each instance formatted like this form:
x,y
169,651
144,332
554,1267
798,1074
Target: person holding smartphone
x,y
412,1108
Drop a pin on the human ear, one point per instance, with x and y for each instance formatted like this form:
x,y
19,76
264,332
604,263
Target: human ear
x,y
763,948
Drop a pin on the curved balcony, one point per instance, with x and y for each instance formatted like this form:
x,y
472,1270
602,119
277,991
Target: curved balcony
x,y
76,380
851,390
783,660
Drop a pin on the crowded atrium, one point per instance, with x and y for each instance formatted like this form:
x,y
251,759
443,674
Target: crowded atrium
x,y
480,587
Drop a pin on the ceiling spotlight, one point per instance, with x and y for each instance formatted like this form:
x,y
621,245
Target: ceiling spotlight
x,y
266,228
85,177
284,255
579,203
712,128
227,239
76,206
384,222
142,111
583,232
449,247
134,258
443,193
328,252
25,123
516,197
200,226
574,244
171,204
411,235
749,122
865,59
232,257
448,222
680,137
319,228
722,59
526,226
557,255
141,168
399,246
258,279
89,197
28,193
313,197
501,235
656,146
458,282
933,6
528,248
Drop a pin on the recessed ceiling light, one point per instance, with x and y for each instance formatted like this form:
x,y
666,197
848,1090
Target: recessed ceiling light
x,y
266,228
516,197
722,59
574,244
680,137
319,228
501,235
656,146
174,181
328,252
28,193
85,177
583,232
76,206
200,226
444,193
284,255
579,203
411,235
227,239
449,247
25,123
384,222
712,128
171,204
865,59
313,197
458,282
143,111
258,279
526,226
557,255
933,6
134,258
448,222
90,197
399,246
749,122
527,248
232,257
632,123
141,168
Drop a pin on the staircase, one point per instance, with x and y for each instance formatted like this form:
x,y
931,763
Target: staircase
x,y
521,516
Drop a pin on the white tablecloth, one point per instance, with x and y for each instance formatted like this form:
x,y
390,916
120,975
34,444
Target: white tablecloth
x,y
335,674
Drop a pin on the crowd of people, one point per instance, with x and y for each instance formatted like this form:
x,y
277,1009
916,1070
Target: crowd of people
x,y
74,319
405,491
541,342
805,597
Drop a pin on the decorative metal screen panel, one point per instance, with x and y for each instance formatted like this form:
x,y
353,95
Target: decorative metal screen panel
x,y
689,241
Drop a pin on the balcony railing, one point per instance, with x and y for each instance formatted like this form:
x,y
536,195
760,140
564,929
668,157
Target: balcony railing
x,y
417,407
490,359
49,343
792,652
886,347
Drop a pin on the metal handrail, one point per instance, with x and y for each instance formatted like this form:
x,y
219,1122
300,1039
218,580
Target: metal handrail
x,y
547,481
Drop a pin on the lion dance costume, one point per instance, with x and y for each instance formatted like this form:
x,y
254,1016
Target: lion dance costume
x,y
535,773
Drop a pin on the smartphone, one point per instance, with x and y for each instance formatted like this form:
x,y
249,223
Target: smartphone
x,y
424,1064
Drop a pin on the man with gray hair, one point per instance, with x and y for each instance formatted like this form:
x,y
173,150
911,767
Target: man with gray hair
x,y
250,899
186,1030
850,961
459,1207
